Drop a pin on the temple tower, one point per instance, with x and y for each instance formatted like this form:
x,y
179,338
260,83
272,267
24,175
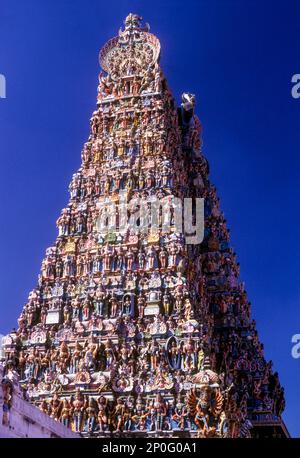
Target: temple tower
x,y
139,324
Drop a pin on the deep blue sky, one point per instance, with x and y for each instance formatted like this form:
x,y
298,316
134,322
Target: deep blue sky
x,y
238,57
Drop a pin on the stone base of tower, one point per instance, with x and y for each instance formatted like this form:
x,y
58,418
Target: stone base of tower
x,y
20,419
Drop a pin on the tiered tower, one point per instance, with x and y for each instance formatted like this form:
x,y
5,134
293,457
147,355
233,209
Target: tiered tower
x,y
135,327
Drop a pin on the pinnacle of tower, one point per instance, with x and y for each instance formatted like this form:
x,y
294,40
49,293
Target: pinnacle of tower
x,y
133,22
132,52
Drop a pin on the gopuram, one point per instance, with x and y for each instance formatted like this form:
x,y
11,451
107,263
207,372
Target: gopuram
x,y
135,327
